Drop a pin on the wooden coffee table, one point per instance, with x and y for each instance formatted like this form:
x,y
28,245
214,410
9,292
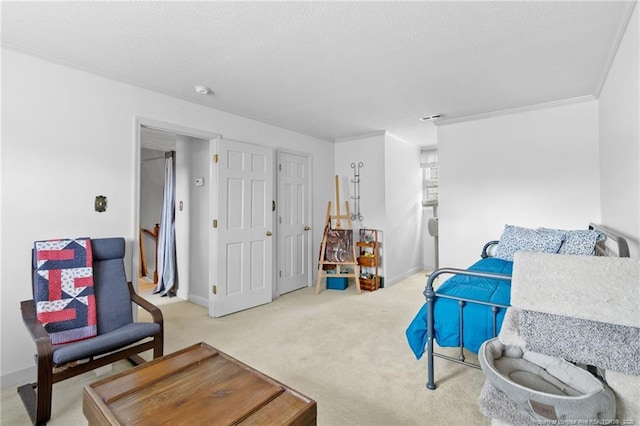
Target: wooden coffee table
x,y
196,385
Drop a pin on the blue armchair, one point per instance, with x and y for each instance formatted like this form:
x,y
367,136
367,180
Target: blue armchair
x,y
118,336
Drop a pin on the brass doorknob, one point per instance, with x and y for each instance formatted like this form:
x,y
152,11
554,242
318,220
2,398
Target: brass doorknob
x,y
269,233
306,228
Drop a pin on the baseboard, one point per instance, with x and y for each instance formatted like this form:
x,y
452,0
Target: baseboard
x,y
18,378
201,301
398,278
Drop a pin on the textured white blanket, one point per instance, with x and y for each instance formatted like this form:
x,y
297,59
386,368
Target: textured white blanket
x,y
605,289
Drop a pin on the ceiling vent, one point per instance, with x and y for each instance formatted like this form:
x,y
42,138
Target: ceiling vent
x,y
431,117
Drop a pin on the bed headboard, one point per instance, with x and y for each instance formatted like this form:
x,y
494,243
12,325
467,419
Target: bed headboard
x,y
613,245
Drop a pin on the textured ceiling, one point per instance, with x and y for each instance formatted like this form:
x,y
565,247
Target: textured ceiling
x,y
335,70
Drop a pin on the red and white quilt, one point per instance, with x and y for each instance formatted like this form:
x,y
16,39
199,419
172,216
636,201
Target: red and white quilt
x,y
65,301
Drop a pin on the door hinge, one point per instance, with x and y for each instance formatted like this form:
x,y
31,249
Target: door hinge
x,y
214,289
280,274
280,167
215,223
215,158
273,205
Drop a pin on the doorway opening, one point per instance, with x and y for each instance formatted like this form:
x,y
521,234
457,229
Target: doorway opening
x,y
191,150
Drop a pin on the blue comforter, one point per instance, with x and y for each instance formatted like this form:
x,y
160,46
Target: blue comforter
x,y
478,319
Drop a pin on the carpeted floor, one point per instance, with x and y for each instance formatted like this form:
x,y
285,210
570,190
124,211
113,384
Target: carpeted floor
x,y
346,351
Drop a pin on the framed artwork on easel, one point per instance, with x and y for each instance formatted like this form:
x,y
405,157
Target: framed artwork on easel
x,y
339,247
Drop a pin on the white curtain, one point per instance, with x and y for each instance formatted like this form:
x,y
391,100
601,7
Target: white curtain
x,y
167,264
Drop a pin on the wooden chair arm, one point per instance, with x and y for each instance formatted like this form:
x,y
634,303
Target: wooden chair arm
x,y
41,338
156,313
38,333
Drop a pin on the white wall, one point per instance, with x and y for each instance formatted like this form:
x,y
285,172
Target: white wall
x,y
405,232
619,104
370,152
390,198
68,136
535,168
562,166
197,210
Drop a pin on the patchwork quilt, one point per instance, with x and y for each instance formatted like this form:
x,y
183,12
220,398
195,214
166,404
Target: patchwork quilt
x,y
64,293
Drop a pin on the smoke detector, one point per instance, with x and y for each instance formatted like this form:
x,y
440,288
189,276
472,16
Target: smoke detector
x,y
202,90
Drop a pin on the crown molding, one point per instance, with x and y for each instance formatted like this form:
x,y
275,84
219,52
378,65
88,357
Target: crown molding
x,y
362,136
453,120
614,49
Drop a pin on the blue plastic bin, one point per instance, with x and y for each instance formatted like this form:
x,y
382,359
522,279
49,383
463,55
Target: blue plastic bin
x,y
337,283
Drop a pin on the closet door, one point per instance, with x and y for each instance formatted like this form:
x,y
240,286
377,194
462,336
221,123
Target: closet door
x,y
242,243
294,218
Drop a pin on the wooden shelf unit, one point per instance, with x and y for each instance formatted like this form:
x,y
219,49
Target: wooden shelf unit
x,y
369,259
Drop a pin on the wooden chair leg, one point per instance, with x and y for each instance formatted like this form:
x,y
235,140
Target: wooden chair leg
x,y
28,395
158,346
44,390
36,398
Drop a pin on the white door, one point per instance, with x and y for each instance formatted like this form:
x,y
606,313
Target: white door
x,y
242,245
294,220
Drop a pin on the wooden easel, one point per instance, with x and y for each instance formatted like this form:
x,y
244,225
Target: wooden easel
x,y
338,225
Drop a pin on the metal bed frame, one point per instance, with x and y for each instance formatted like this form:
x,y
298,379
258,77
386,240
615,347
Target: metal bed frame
x,y
613,245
